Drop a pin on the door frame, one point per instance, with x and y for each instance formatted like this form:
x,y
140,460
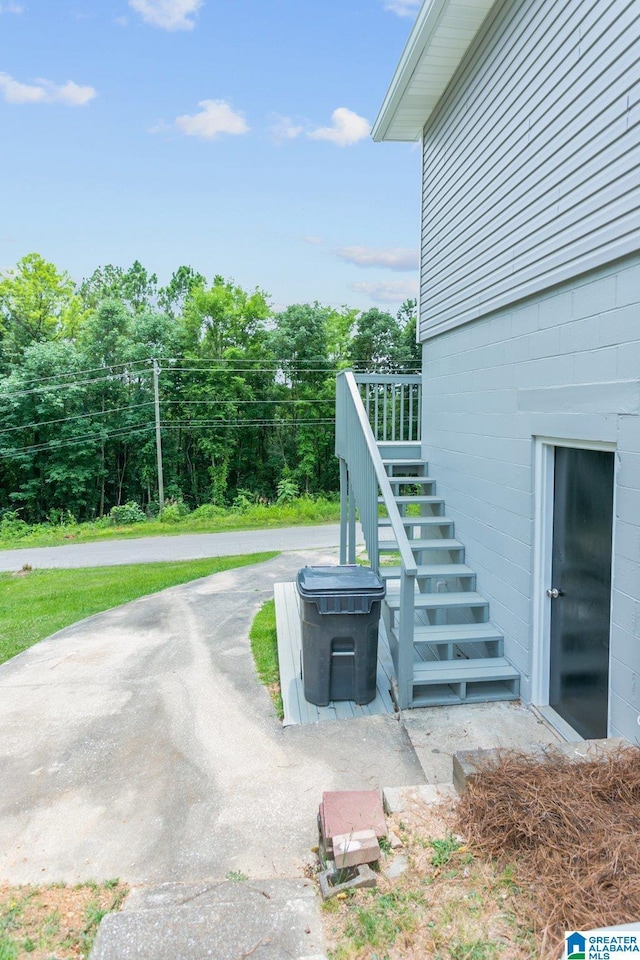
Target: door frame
x,y
544,462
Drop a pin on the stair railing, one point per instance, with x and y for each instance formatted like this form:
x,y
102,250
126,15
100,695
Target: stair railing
x,y
393,404
362,475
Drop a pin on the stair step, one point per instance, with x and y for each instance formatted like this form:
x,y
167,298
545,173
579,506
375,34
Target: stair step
x,y
463,671
417,498
456,633
435,601
418,521
440,682
431,570
391,546
418,481
400,449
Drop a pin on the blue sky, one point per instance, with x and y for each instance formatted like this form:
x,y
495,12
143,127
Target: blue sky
x,y
231,135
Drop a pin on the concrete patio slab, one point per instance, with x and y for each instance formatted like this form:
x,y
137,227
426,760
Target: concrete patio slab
x,y
436,733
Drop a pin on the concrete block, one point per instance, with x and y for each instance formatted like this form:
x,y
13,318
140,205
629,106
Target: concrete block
x,y
595,365
628,286
554,310
350,849
596,296
467,764
347,811
329,887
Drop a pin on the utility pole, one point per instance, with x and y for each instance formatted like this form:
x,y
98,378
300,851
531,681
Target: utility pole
x,y
156,400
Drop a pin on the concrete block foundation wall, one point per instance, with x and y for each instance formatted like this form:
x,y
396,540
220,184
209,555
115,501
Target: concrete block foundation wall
x,y
565,365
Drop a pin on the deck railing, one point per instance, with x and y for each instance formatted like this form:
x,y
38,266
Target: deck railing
x,y
393,404
362,479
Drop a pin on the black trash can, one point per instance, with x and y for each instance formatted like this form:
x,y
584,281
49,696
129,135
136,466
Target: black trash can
x,y
339,613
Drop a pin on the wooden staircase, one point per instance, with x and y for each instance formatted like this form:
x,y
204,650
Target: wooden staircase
x,y
457,653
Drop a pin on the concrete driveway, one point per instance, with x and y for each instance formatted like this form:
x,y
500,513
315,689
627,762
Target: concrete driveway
x,y
139,744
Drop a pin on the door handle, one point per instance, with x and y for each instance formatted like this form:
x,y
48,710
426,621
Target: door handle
x,y
553,593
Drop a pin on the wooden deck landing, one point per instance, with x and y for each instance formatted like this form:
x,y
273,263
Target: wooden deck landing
x,y
296,708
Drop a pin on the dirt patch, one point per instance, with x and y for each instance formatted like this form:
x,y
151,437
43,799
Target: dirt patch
x,y
538,845
571,831
54,922
443,903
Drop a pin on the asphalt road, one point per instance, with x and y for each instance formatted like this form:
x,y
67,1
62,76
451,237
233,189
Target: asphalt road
x,y
193,546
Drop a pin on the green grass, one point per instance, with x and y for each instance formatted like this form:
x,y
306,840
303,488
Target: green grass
x,y
264,646
302,512
57,921
34,604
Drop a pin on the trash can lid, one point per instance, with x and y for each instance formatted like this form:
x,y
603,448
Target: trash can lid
x,y
341,580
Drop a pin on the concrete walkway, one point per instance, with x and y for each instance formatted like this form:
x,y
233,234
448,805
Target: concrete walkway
x,y
138,744
190,546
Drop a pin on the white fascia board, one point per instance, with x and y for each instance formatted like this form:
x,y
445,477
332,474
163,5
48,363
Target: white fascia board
x,y
434,53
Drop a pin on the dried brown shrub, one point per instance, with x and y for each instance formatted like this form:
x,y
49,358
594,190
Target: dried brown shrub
x,y
572,830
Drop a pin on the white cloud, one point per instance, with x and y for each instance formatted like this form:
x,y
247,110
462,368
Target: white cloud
x,y
404,8
215,118
347,128
284,128
45,91
314,241
11,8
167,14
390,291
394,258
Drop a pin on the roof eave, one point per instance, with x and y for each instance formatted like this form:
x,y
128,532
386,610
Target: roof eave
x,y
426,49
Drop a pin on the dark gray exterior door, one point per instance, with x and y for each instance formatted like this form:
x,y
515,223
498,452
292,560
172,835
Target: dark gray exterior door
x,y
581,588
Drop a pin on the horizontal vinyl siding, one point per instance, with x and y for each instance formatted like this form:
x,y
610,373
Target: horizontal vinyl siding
x,y
531,162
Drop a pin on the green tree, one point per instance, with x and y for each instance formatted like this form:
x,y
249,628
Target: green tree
x,y
378,345
37,303
300,343
410,350
49,437
172,298
223,316
135,288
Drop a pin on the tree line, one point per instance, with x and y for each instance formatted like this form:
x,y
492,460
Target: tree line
x,y
245,394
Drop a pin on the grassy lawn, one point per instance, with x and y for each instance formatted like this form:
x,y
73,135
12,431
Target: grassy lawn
x,y
54,921
37,603
264,646
301,512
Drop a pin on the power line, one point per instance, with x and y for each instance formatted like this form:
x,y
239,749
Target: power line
x,y
75,373
166,425
64,386
79,416
59,444
215,402
173,424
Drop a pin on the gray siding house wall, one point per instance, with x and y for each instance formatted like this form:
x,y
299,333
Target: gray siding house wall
x,y
531,158
530,294
562,365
